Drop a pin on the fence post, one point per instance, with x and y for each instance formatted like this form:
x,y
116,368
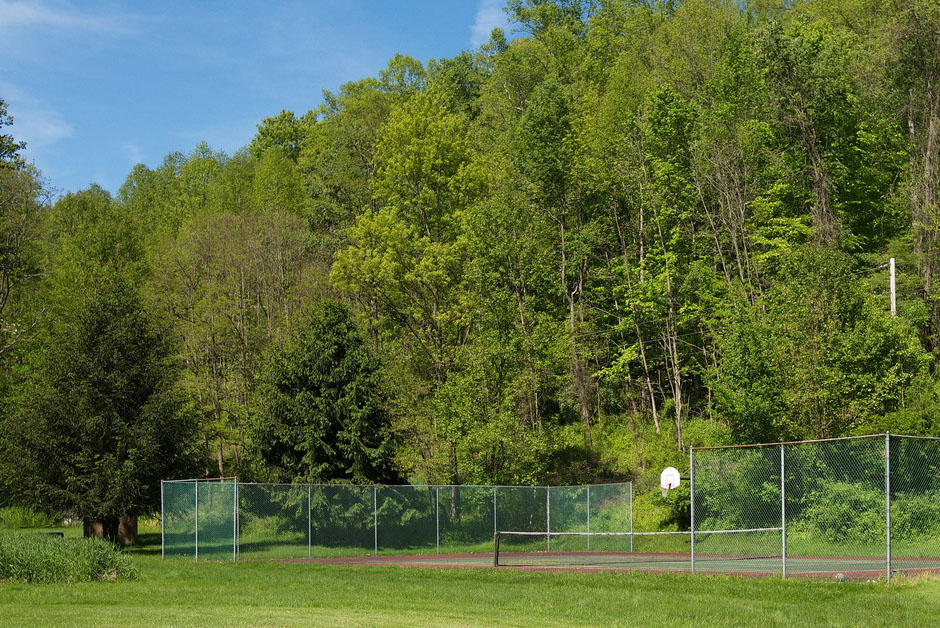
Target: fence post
x,y
692,507
888,505
196,526
494,510
375,520
631,516
548,519
162,525
437,517
589,518
238,522
309,525
235,518
783,513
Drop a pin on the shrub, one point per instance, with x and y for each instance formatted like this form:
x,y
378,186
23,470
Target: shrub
x,y
845,512
21,517
914,516
43,559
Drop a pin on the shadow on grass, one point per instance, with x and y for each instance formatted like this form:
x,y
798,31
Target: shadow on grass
x,y
148,544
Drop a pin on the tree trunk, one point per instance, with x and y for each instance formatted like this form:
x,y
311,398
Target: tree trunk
x,y
119,530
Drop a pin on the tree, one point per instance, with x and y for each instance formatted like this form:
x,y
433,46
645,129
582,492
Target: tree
x,y
916,72
813,358
405,265
9,147
231,283
277,186
284,130
22,198
322,410
21,202
100,420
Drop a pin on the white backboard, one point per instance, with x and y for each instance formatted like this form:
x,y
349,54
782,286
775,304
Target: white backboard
x,y
669,478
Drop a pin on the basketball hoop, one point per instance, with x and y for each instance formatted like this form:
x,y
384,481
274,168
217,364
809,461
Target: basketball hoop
x,y
668,480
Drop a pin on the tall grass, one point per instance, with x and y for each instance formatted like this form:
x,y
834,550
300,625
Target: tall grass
x,y
43,558
21,517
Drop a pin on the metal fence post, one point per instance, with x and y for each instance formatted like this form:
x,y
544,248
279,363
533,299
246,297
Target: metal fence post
x,y
783,514
375,520
196,526
235,518
888,505
589,518
238,522
548,519
494,511
692,508
309,525
437,517
162,525
631,516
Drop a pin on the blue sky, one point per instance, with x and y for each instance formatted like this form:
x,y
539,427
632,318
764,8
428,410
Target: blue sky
x,y
96,86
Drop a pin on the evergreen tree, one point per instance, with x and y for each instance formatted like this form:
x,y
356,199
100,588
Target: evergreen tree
x,y
99,420
323,411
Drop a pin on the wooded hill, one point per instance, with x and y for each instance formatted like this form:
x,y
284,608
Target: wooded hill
x,y
635,227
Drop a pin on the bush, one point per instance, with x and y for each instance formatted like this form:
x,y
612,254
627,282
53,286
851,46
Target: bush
x,y
914,516
20,517
43,559
846,512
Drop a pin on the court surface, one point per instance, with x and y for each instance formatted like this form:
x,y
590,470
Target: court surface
x,y
799,566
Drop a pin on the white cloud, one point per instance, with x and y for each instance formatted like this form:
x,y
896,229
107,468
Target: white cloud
x,y
490,15
18,15
34,122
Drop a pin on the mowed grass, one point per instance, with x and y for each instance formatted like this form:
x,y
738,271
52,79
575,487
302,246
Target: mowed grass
x,y
183,593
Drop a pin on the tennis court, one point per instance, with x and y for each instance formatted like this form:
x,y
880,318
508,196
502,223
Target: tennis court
x,y
858,568
865,507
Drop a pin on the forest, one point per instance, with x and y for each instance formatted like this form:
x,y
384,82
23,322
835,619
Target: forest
x,y
627,228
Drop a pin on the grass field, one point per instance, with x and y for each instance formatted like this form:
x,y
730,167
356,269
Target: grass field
x,y
183,593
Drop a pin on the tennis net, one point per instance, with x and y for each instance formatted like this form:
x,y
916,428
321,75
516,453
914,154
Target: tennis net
x,y
754,550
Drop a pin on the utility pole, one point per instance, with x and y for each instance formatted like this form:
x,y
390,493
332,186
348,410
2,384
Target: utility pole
x,y
894,306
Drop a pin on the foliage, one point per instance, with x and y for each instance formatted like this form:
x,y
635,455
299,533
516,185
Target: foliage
x,y
22,517
9,147
41,558
98,416
21,203
101,421
635,227
844,512
322,407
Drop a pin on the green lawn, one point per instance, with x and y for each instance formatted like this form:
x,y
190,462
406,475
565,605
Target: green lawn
x,y
183,593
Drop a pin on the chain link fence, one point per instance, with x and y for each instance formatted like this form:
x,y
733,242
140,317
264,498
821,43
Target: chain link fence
x,y
863,507
860,507
217,519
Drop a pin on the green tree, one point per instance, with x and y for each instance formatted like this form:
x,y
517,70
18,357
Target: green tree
x,y
22,199
405,263
815,358
100,419
322,410
232,284
285,130
9,147
277,184
915,71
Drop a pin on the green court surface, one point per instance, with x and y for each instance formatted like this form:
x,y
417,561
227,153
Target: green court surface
x,y
856,568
